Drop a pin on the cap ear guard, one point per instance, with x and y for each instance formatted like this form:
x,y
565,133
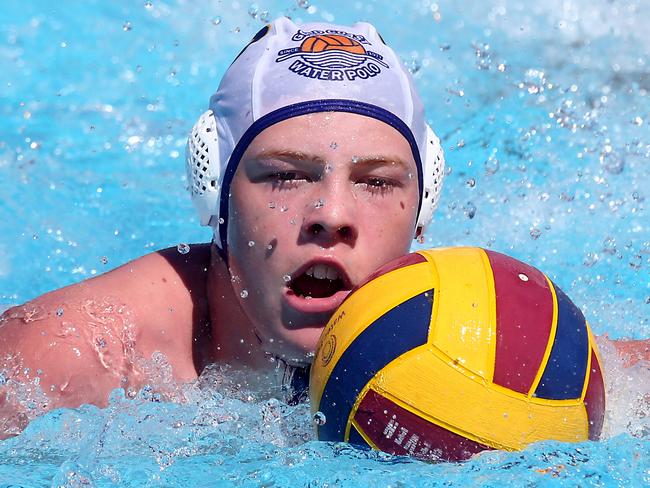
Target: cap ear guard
x,y
204,176
433,174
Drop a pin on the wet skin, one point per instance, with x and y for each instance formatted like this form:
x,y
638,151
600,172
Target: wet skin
x,y
344,193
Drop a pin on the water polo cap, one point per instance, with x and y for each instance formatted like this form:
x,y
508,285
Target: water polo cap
x,y
288,70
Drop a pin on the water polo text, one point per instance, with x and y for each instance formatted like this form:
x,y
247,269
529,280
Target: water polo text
x,y
368,70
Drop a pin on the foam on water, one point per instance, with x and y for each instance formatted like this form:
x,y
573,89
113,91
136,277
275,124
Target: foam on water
x,y
227,426
543,112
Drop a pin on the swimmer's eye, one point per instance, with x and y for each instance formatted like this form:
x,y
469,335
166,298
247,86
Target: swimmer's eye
x,y
377,186
283,180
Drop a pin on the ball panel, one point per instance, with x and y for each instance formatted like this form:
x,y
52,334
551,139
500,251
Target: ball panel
x,y
443,392
308,44
319,45
338,40
401,262
360,310
522,332
464,326
401,329
396,430
564,373
595,398
356,439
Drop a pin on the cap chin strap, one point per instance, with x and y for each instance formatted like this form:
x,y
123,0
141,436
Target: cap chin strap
x,y
205,175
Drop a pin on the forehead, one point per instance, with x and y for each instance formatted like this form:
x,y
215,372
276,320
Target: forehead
x,y
329,134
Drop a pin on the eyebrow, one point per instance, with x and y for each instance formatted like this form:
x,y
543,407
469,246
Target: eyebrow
x,y
379,160
358,161
287,154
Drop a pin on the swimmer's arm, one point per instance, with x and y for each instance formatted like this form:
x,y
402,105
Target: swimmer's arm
x,y
630,351
78,343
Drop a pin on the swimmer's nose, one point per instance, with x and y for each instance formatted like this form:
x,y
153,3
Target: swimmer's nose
x,y
331,220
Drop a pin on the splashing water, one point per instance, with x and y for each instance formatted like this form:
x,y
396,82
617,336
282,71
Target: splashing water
x,y
543,107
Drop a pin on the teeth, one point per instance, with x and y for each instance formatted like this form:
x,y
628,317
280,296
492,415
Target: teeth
x,y
323,271
332,274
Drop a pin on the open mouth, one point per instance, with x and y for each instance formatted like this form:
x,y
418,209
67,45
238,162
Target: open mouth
x,y
320,281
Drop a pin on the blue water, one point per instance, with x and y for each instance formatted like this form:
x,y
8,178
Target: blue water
x,y
543,111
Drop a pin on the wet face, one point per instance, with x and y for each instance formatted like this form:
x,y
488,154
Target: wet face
x,y
318,202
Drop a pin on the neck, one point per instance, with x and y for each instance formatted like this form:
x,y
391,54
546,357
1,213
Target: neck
x,y
233,334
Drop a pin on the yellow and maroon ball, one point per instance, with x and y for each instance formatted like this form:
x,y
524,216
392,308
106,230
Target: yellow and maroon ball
x,y
447,352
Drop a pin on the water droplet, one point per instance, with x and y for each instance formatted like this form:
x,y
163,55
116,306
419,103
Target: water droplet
x,y
284,208
183,248
355,159
637,120
470,210
523,277
612,162
590,259
251,243
414,65
303,3
216,20
244,293
148,5
286,278
609,245
320,203
271,204
328,168
535,233
471,182
491,165
420,239
221,220
334,145
636,261
264,16
104,260
59,312
126,27
319,418
253,9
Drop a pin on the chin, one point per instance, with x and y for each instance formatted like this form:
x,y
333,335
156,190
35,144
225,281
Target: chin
x,y
297,348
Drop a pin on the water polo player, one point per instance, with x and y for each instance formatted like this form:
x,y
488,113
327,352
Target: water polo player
x,y
313,165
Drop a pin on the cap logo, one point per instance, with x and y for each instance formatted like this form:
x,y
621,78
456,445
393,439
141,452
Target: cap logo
x,y
332,55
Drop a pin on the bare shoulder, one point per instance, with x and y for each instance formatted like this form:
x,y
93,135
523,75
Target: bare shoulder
x,y
86,339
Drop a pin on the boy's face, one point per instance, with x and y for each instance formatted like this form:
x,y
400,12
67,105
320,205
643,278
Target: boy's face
x,y
318,202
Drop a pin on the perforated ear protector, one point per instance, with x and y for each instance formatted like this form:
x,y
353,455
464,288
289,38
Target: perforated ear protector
x,y
205,175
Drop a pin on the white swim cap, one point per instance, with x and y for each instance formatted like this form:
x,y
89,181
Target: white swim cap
x,y
289,70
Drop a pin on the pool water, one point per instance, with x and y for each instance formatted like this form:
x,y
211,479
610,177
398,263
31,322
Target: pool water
x,y
543,111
